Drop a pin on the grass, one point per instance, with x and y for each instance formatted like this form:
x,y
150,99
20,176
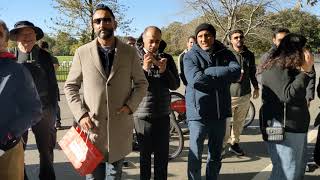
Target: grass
x,y
64,58
62,72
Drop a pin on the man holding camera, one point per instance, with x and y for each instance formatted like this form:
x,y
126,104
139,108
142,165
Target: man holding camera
x,y
39,64
151,119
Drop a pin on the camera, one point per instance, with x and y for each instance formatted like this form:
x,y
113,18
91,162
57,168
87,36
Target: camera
x,y
160,56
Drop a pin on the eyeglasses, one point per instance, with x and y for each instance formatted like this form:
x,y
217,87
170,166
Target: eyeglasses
x,y
238,37
107,20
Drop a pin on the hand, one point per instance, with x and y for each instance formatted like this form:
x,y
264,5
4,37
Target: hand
x,y
86,122
308,61
255,94
124,109
162,65
147,61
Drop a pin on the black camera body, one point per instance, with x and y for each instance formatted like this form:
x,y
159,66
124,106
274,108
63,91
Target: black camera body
x,y
160,56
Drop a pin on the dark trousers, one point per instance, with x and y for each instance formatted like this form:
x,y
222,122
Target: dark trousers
x,y
58,113
45,135
317,149
153,137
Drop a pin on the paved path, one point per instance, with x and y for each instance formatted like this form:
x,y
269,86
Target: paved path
x,y
255,165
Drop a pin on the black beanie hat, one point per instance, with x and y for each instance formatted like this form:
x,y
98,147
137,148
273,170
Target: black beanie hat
x,y
205,26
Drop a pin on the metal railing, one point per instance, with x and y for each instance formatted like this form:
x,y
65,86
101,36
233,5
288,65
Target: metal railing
x,y
63,71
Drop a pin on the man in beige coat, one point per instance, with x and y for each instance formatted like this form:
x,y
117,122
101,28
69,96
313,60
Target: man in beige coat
x,y
113,86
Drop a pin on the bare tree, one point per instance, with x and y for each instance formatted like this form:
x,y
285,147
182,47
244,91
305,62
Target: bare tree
x,y
308,2
312,2
227,15
76,15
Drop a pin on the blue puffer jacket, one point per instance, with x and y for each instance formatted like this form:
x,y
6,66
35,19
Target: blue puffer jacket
x,y
20,105
209,76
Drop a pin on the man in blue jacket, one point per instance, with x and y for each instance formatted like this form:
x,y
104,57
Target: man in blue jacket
x,y
209,69
20,108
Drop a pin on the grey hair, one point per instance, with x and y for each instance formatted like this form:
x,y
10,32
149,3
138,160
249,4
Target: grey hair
x,y
6,30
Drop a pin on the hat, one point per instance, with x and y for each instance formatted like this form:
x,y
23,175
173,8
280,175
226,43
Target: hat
x,y
25,24
205,26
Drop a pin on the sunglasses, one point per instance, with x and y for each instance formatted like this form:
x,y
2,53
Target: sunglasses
x,y
107,20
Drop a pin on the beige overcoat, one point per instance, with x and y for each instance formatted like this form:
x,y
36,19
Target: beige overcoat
x,y
104,95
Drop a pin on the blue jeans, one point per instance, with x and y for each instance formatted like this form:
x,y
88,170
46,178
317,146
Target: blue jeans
x,y
289,157
199,130
107,171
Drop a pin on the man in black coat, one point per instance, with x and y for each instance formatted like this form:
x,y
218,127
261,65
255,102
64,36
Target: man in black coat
x,y
39,64
316,154
151,119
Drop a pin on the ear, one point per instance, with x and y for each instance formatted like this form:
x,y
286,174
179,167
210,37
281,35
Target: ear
x,y
274,40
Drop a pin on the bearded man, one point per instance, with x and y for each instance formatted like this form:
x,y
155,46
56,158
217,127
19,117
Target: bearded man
x,y
113,86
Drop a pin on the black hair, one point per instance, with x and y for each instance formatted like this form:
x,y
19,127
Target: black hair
x,y
191,37
289,53
280,30
235,31
130,38
44,45
105,8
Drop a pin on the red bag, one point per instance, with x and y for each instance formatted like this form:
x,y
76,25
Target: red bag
x,y
83,155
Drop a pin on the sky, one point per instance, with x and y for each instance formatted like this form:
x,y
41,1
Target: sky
x,y
144,13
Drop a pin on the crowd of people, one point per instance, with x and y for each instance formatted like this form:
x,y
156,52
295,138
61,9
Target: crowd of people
x,y
127,85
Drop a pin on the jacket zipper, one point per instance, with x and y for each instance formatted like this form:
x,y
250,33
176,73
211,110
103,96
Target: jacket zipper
x,y
195,101
217,93
218,105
